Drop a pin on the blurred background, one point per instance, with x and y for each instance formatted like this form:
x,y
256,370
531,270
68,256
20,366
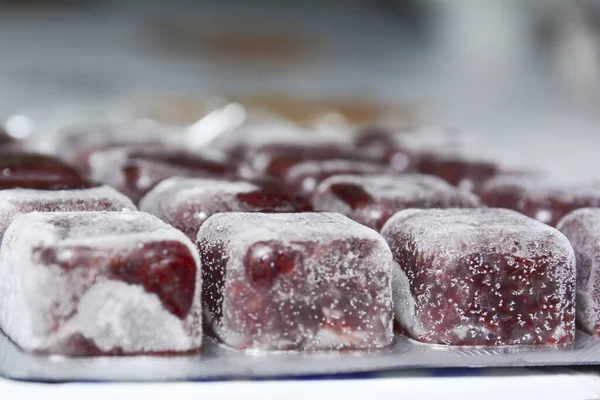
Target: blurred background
x,y
523,73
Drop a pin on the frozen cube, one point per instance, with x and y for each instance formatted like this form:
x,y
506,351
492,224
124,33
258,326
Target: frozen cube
x,y
14,202
305,281
99,283
272,137
37,171
372,200
76,144
401,148
463,169
8,143
135,171
303,176
543,199
487,276
582,228
275,159
186,203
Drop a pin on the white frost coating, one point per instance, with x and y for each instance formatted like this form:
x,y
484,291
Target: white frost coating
x,y
337,294
582,228
391,193
42,305
482,277
14,202
118,315
404,304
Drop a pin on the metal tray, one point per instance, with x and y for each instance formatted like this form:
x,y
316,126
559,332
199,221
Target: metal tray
x,y
218,362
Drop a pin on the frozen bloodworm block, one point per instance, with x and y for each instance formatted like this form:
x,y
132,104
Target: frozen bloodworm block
x,y
274,137
487,276
582,228
542,199
14,202
463,169
135,171
371,200
8,143
37,171
99,283
186,203
401,148
305,281
76,144
303,176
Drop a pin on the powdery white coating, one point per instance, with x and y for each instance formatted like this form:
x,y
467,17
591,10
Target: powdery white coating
x,y
329,285
194,200
59,283
383,195
582,228
14,202
306,175
481,277
542,198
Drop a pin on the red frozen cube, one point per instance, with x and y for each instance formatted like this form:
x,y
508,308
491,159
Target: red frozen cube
x,y
543,199
402,148
14,202
303,175
78,143
582,228
186,203
481,277
304,281
372,200
466,171
37,171
135,171
99,283
258,142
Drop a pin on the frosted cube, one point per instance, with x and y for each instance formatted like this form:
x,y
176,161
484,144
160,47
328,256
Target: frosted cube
x,y
371,200
582,228
37,171
402,147
76,144
135,171
186,203
273,135
468,170
306,281
93,283
541,198
303,176
483,276
14,202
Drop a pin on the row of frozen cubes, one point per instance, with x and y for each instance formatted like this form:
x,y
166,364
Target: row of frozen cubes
x,y
124,282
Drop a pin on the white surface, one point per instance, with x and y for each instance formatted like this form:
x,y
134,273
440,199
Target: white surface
x,y
537,386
